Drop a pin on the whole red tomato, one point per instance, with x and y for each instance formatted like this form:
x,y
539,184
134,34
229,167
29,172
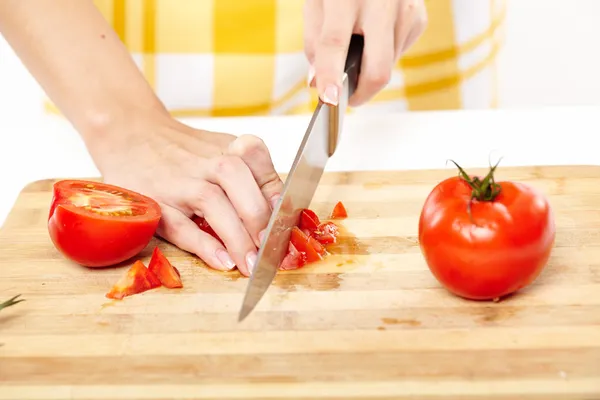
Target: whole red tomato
x,y
98,225
483,239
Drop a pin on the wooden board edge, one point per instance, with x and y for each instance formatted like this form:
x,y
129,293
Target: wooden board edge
x,y
522,173
539,172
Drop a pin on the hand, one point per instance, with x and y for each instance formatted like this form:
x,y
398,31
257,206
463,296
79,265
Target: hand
x,y
389,28
229,181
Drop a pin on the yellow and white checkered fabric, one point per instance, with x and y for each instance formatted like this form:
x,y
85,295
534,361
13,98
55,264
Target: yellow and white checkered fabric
x,y
245,57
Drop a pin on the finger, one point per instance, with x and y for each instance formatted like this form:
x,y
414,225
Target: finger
x,y
212,203
405,26
378,54
313,20
419,26
178,229
339,17
235,178
255,154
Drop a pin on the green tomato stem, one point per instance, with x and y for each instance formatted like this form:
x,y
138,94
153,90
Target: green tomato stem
x,y
485,189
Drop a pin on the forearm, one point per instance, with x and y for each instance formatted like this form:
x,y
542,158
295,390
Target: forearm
x,y
79,61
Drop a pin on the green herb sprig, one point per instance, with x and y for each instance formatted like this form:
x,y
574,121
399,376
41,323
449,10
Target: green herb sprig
x,y
11,302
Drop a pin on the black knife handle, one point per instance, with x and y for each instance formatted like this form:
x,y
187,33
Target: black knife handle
x,y
353,62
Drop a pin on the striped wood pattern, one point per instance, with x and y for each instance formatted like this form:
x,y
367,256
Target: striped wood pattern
x,y
369,322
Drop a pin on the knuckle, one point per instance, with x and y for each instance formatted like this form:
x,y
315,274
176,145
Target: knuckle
x,y
256,216
379,77
333,38
207,192
272,179
248,145
227,165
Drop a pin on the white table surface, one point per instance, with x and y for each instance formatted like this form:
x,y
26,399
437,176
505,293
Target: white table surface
x,y
47,147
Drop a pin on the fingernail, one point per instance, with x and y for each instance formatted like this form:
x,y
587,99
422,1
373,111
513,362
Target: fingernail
x,y
331,95
225,259
274,201
261,235
251,261
311,75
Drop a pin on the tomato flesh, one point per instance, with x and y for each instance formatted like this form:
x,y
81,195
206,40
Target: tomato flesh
x,y
497,248
326,233
293,259
309,220
136,280
161,267
97,225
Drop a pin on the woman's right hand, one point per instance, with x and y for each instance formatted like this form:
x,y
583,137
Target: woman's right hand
x,y
230,181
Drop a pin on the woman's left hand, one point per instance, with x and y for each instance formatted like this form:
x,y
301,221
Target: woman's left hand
x,y
389,28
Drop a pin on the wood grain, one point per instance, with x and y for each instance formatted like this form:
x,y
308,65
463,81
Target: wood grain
x,y
368,322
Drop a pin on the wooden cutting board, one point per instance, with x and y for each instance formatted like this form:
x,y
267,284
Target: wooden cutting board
x,y
369,322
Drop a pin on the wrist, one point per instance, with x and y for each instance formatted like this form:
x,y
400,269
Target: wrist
x,y
109,133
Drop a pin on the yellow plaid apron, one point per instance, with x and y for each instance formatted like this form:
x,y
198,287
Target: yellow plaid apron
x,y
245,57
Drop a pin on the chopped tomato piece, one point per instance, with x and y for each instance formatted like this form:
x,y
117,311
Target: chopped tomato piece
x,y
326,233
304,245
339,211
138,279
294,259
162,268
307,241
309,220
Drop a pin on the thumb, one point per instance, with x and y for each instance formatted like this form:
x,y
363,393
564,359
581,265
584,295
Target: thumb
x,y
339,17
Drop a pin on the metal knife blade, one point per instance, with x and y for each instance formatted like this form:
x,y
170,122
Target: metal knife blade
x,y
318,145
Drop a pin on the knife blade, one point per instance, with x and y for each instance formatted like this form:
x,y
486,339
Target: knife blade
x,y
318,145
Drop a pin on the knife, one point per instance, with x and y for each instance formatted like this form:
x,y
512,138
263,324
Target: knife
x,y
319,144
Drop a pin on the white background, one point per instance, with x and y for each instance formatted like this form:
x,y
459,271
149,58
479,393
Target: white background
x,y
551,57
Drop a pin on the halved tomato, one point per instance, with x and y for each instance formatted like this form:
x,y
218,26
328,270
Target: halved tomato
x,y
97,224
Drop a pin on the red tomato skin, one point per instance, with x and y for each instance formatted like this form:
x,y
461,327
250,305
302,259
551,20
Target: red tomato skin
x,y
504,251
97,241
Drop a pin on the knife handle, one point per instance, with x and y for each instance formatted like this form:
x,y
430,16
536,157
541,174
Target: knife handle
x,y
353,62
